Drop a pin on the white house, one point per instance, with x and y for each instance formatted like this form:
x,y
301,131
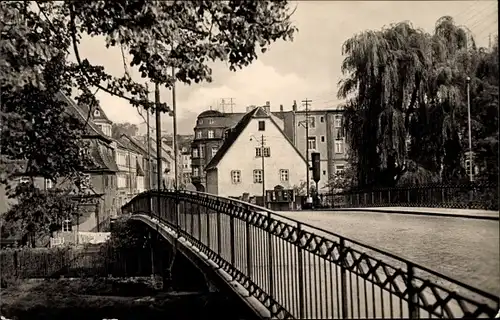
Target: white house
x,y
237,166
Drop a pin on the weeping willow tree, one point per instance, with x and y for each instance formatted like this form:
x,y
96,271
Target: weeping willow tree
x,y
405,93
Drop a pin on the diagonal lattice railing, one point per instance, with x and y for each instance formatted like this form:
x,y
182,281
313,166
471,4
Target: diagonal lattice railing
x,y
303,272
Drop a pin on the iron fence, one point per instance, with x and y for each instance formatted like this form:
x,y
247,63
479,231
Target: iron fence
x,y
300,271
461,196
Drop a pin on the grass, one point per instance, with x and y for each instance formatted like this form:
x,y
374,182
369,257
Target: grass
x,y
108,299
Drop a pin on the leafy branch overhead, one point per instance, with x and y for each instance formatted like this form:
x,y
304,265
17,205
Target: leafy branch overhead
x,y
38,40
159,35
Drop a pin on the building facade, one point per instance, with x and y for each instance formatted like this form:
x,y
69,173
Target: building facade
x,y
237,168
208,137
325,136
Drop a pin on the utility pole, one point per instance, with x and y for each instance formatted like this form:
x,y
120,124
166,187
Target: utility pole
x,y
471,173
307,102
176,149
262,144
158,140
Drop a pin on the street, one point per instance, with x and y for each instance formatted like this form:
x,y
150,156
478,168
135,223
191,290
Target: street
x,y
464,249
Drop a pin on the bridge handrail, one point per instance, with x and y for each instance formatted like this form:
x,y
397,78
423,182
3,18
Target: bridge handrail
x,y
287,222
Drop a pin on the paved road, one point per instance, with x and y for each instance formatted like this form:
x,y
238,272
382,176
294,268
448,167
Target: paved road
x,y
464,249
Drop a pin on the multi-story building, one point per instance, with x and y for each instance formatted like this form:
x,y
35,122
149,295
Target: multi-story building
x,y
208,137
325,136
212,128
96,193
245,162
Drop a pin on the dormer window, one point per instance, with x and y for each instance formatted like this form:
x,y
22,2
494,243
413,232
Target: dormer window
x,y
97,113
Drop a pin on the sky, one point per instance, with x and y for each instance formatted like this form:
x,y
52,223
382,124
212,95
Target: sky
x,y
308,67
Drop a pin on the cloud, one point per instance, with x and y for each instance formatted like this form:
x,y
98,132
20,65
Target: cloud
x,y
308,67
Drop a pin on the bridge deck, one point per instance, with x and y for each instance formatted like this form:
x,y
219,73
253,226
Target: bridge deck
x,y
300,271
459,213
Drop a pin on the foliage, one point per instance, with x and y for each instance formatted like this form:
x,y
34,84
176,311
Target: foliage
x,y
38,213
36,40
343,180
300,189
118,129
409,87
127,234
38,133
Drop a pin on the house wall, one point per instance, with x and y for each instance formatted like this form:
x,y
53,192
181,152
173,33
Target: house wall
x,y
212,181
327,132
242,156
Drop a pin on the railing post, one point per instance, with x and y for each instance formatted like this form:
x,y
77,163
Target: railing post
x,y
270,255
219,235
199,221
301,276
412,295
231,238
150,205
343,279
208,227
249,246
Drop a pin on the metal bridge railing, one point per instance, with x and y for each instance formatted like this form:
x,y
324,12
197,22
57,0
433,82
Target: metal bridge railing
x,y
300,271
458,196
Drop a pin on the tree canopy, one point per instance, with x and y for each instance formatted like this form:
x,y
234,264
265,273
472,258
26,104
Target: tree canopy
x,y
410,88
37,38
118,129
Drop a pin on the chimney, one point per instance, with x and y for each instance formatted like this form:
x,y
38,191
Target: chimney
x,y
281,108
267,107
294,107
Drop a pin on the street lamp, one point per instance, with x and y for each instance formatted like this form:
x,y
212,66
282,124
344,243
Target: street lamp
x,y
471,172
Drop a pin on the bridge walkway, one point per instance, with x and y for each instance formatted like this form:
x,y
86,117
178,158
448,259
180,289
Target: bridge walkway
x,y
295,270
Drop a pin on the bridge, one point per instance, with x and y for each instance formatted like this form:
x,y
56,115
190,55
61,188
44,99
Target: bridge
x,y
282,268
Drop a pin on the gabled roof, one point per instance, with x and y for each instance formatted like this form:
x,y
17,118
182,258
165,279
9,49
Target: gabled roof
x,y
83,114
235,133
100,116
258,112
102,162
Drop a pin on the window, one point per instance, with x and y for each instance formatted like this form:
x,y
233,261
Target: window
x,y
211,121
214,151
339,146
67,225
97,113
195,153
200,121
258,152
339,168
321,119
257,176
311,143
262,125
467,167
322,138
324,172
24,180
312,122
340,133
199,134
85,182
196,172
284,175
338,121
202,153
236,176
210,134
49,184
